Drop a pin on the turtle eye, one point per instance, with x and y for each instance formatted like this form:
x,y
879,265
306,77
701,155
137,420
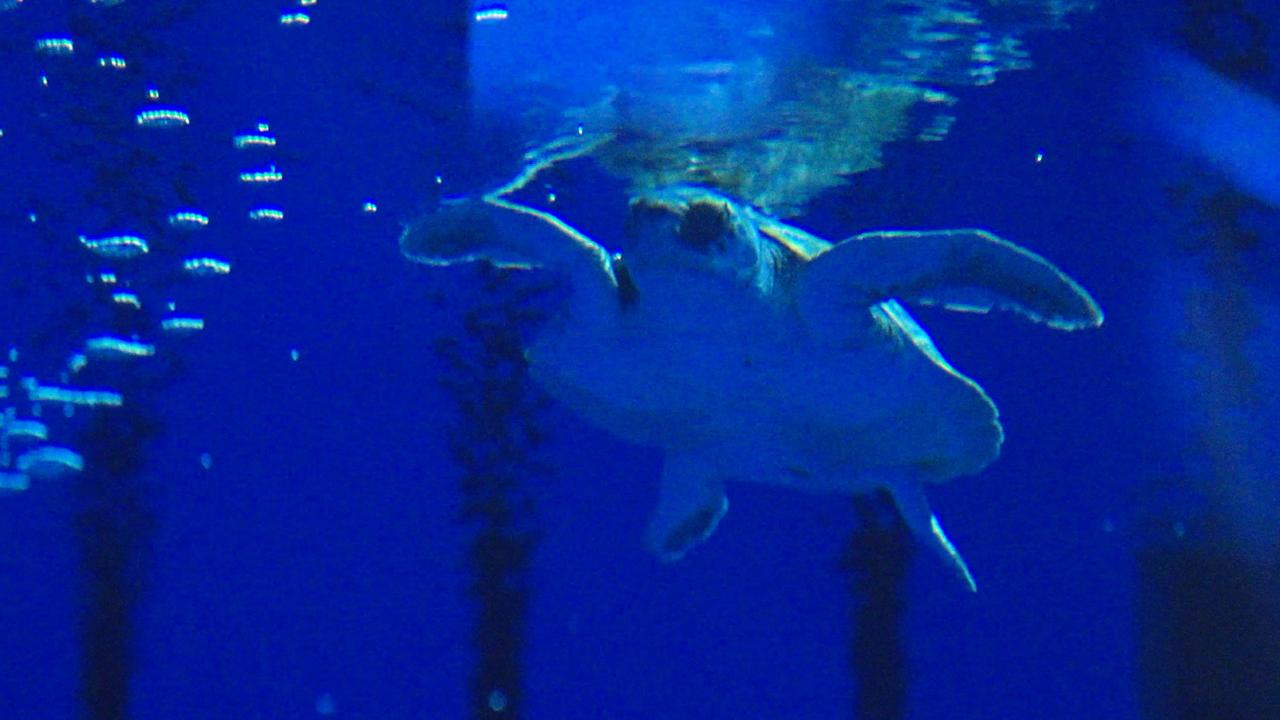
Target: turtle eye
x,y
704,226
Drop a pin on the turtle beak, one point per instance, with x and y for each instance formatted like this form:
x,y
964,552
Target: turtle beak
x,y
704,226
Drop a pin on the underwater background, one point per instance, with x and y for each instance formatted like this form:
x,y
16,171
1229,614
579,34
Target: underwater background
x,y
287,515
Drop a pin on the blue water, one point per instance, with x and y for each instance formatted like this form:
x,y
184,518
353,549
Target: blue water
x,y
319,553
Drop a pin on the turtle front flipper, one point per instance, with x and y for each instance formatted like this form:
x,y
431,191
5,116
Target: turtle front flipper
x,y
510,235
506,233
472,230
691,502
914,509
962,270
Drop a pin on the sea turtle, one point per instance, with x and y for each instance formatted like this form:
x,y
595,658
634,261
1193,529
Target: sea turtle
x,y
748,349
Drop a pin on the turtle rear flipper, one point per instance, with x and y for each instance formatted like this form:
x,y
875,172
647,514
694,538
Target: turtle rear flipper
x,y
962,270
920,520
691,502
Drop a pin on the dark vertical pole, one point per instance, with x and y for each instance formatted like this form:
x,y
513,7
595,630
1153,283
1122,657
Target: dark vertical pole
x,y
114,526
434,39
497,427
878,559
492,443
1209,634
85,123
1209,603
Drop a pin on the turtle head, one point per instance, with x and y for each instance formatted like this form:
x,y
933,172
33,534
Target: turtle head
x,y
687,228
